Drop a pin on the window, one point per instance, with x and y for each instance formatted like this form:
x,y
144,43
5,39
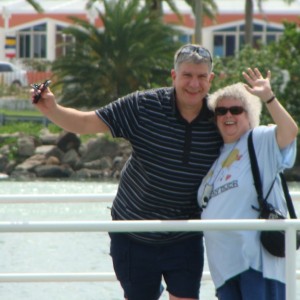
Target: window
x,y
63,42
228,40
185,38
32,42
219,45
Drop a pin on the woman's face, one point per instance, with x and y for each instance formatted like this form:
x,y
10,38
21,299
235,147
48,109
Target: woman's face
x,y
232,124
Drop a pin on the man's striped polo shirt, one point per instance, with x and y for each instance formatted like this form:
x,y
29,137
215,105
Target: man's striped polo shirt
x,y
169,159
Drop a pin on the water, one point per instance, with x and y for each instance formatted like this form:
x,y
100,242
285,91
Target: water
x,y
63,252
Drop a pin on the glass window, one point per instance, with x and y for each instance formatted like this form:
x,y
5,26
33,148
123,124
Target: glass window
x,y
273,29
258,27
230,45
218,45
242,41
39,46
270,38
32,42
63,42
228,29
185,38
24,45
40,27
226,43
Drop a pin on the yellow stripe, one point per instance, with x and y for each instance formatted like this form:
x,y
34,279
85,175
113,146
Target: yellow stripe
x,y
10,41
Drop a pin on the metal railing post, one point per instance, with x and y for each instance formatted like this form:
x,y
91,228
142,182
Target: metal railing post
x,y
290,263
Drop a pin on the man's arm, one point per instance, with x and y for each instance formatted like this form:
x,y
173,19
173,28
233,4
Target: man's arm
x,y
69,119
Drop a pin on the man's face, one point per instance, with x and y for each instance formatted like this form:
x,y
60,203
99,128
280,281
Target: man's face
x,y
192,83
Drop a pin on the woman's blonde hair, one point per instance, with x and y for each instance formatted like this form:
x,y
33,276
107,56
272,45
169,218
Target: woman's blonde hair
x,y
250,103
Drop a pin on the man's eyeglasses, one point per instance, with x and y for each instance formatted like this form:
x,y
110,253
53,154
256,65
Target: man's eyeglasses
x,y
234,110
200,50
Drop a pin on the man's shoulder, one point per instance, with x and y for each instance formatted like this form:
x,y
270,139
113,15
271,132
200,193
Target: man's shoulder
x,y
157,93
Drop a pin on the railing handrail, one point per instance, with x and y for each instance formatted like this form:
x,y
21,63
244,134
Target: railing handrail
x,y
73,198
152,225
60,198
73,277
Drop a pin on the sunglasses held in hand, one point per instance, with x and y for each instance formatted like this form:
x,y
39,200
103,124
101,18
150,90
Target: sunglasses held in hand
x,y
38,90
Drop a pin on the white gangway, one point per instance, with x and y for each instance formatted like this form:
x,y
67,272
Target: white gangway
x,y
290,227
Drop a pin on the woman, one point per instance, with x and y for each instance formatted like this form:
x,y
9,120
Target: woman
x,y
240,267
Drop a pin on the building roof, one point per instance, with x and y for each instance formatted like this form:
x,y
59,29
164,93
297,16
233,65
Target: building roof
x,y
224,6
270,6
19,12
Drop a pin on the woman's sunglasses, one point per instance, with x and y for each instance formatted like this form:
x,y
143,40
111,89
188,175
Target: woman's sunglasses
x,y
234,110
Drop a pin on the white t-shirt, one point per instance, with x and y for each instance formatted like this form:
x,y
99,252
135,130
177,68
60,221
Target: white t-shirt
x,y
232,195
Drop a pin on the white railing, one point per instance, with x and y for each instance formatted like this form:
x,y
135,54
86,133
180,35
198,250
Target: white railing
x,y
73,198
290,226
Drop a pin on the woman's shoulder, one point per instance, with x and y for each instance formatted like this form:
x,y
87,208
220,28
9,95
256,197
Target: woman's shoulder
x,y
264,130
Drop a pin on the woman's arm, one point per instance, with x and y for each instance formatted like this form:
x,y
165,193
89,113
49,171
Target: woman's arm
x,y
287,128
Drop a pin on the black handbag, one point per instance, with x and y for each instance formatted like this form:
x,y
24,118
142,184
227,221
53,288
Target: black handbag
x,y
272,241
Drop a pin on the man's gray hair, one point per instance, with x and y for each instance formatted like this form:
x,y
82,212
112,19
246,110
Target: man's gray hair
x,y
193,53
251,103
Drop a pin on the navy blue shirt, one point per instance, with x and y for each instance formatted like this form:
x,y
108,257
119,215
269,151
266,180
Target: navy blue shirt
x,y
169,159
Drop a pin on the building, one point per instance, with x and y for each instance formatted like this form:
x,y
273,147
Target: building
x,y
26,34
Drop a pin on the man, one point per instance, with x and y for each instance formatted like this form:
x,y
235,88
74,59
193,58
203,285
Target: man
x,y
174,142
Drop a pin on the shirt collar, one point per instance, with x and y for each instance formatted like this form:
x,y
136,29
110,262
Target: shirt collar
x,y
205,113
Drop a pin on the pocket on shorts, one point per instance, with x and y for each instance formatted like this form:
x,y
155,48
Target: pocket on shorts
x,y
120,253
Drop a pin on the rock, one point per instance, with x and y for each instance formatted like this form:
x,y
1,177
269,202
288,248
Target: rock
x,y
87,173
99,164
68,141
44,149
8,136
71,158
48,138
5,150
66,157
26,146
56,152
31,163
98,148
53,171
22,175
3,162
52,160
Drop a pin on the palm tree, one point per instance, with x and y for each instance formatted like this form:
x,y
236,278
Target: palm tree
x,y
133,52
200,9
35,5
249,4
155,6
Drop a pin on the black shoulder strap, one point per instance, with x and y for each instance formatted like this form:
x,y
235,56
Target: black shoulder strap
x,y
255,170
258,184
288,197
